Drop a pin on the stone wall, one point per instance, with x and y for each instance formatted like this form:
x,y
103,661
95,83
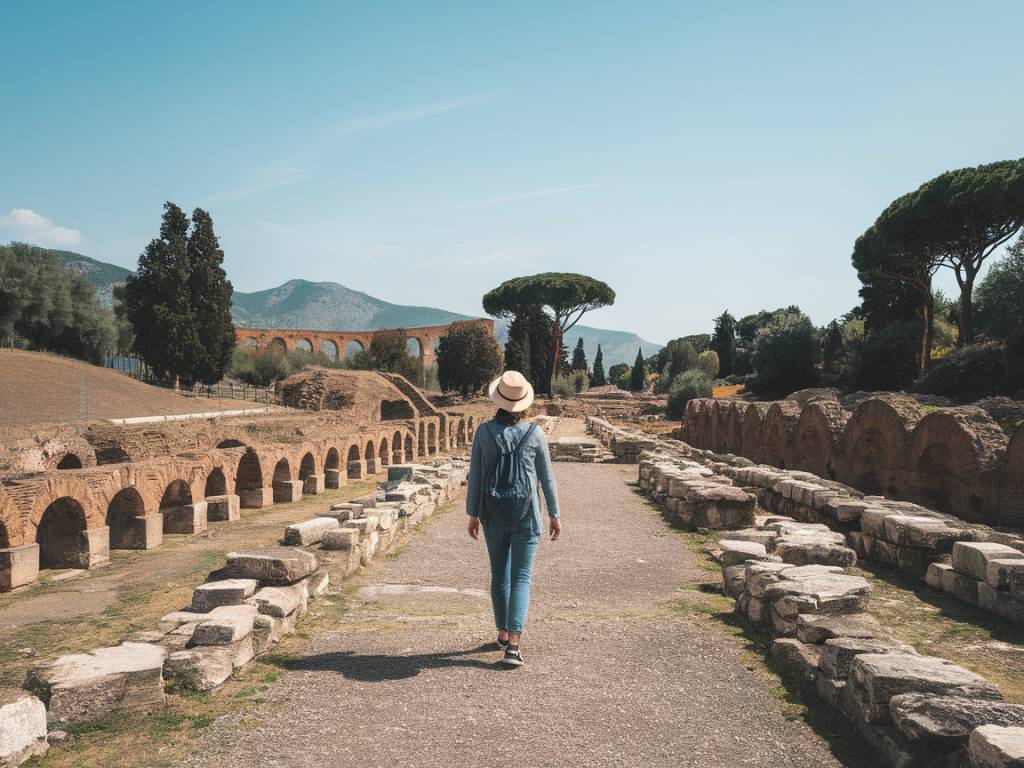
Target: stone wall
x,y
957,460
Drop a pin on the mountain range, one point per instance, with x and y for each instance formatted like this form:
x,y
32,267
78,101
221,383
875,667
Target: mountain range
x,y
333,307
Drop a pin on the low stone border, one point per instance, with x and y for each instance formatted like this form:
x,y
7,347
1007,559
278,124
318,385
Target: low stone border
x,y
239,613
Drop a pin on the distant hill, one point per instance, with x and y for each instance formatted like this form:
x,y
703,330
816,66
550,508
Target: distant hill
x,y
333,307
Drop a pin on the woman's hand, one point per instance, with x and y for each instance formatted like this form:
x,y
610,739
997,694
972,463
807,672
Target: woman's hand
x,y
555,526
474,527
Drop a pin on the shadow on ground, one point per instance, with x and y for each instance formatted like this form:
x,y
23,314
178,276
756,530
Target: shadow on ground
x,y
378,668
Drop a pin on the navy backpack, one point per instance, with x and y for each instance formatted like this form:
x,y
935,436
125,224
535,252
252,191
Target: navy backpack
x,y
509,495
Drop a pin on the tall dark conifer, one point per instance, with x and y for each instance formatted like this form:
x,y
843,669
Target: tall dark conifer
x,y
579,357
210,299
638,378
597,378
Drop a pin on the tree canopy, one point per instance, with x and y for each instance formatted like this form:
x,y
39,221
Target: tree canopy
x,y
567,295
468,357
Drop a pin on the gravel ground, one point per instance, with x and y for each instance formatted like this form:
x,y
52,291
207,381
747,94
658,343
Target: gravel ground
x,y
613,677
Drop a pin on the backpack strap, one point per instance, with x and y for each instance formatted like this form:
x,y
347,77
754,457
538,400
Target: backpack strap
x,y
524,438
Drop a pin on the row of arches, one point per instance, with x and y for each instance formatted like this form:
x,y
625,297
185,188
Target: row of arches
x,y
335,347
956,460
70,509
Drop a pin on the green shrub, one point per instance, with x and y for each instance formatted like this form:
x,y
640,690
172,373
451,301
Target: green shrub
x,y
708,362
563,386
888,358
968,374
786,353
688,385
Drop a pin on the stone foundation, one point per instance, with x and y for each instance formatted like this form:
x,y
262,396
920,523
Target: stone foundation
x,y
139,533
223,508
18,566
188,518
313,485
256,498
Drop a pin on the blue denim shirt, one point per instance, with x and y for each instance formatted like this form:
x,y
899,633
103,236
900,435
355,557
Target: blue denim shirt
x,y
538,467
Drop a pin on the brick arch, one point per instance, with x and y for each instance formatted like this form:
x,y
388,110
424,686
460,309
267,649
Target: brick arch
x,y
1011,512
733,425
125,506
432,439
397,448
248,472
691,421
216,483
753,425
10,520
60,485
876,441
953,459
59,534
281,474
332,458
818,436
410,447
705,423
777,433
384,453
307,465
354,466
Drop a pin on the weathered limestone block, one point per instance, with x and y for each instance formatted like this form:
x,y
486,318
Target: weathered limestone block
x,y
734,580
723,507
141,532
762,575
815,548
971,558
22,727
1007,574
845,509
996,746
355,510
256,498
947,721
287,491
876,678
189,518
313,484
805,589
97,547
766,538
223,508
1009,605
817,629
83,687
961,586
363,524
18,566
872,520
340,538
309,531
214,594
262,633
200,669
936,574
224,625
838,653
368,547
175,619
386,518
272,566
920,532
735,552
334,478
282,601
798,659
757,610
401,473
317,584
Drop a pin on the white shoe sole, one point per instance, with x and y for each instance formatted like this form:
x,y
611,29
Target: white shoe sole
x,y
512,662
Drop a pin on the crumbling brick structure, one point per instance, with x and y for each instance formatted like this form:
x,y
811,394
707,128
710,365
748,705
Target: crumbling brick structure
x,y
958,460
138,482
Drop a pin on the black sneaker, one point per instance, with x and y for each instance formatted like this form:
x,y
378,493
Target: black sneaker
x,y
513,658
502,644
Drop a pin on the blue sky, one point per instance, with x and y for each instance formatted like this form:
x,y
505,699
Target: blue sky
x,y
696,156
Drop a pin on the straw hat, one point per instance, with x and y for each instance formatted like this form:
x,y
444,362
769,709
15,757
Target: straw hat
x,y
511,391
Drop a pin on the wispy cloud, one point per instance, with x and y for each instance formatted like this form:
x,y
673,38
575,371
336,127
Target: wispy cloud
x,y
31,227
373,122
265,179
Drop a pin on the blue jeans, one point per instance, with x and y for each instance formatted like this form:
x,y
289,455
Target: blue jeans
x,y
511,549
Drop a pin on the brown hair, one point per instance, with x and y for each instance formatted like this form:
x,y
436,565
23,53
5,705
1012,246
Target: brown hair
x,y
508,418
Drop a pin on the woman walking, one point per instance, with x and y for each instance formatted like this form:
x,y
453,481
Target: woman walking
x,y
510,456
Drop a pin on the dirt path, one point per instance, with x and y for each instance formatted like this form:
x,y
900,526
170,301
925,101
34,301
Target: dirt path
x,y
616,674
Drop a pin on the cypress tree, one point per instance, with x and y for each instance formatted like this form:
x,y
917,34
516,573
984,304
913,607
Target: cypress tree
x,y
156,299
598,379
210,300
579,357
517,349
724,343
637,379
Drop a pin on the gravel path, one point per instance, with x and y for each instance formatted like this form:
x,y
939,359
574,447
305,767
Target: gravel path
x,y
613,677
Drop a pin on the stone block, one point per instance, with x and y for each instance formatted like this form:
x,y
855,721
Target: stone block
x,y
317,584
97,547
757,610
356,470
313,484
18,566
817,629
224,625
287,491
142,532
838,653
762,575
188,518
340,538
1006,574
961,586
935,575
225,508
199,669
262,633
734,552
282,601
798,659
366,502
845,509
996,746
256,498
368,547
1006,604
872,520
386,518
272,566
920,532
82,687
766,538
334,478
22,727
734,581
814,592
971,558
876,678
947,721
354,510
814,550
363,524
401,473
214,594
309,531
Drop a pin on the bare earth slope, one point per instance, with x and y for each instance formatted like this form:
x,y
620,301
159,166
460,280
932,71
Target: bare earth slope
x,y
39,388
615,675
